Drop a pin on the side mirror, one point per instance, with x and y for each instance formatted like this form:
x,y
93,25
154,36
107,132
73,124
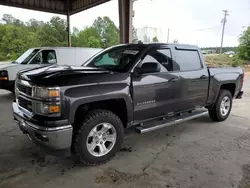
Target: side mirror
x,y
148,67
98,58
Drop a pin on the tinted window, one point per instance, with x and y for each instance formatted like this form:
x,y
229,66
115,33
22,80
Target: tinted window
x,y
187,60
166,60
161,56
45,57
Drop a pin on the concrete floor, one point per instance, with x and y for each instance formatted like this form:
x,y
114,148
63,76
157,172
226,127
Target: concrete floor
x,y
198,153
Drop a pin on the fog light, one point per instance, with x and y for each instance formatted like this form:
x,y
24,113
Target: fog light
x,y
54,109
47,109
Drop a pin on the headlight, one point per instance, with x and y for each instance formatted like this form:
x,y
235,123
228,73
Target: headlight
x,y
46,93
3,75
47,109
50,101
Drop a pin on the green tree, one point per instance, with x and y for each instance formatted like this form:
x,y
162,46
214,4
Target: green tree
x,y
107,31
34,25
2,45
16,40
88,37
75,32
134,35
17,36
155,39
244,46
53,33
9,19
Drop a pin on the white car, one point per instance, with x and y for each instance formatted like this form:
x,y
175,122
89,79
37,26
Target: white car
x,y
43,56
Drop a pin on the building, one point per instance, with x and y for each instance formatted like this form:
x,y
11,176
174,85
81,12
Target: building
x,y
146,34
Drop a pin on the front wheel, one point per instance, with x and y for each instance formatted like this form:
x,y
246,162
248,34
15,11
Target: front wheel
x,y
99,138
222,106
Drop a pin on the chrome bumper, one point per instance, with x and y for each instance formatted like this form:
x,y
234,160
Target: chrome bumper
x,y
52,137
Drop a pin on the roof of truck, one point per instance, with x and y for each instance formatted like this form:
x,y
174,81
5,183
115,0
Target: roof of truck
x,y
177,45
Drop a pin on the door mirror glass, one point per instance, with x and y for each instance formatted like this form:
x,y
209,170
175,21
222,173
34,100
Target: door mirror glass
x,y
148,67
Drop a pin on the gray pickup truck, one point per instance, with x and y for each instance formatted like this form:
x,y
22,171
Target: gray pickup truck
x,y
138,86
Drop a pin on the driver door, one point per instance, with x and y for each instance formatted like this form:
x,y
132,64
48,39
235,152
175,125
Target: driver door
x,y
156,94
43,58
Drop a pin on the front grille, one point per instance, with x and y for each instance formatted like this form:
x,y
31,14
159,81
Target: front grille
x,y
24,103
24,89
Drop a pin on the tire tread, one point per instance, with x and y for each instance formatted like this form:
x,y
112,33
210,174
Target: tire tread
x,y
214,113
87,121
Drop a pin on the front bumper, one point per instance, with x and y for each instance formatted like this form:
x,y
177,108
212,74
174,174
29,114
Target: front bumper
x,y
58,138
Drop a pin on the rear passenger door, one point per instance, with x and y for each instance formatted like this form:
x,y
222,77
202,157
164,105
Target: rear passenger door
x,y
194,78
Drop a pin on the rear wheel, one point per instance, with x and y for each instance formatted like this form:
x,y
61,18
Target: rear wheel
x,y
98,138
222,106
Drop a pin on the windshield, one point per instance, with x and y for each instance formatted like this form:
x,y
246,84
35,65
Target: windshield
x,y
119,59
26,56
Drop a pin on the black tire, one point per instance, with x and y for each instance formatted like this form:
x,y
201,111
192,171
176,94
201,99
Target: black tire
x,y
79,145
215,113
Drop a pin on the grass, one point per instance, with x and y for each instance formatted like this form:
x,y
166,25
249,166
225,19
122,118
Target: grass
x,y
2,62
217,60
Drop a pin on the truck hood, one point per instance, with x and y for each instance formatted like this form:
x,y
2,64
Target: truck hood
x,y
7,65
58,75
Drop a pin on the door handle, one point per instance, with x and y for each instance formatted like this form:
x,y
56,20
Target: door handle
x,y
172,80
203,77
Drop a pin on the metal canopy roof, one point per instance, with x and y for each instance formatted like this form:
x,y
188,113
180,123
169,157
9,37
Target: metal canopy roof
x,y
54,6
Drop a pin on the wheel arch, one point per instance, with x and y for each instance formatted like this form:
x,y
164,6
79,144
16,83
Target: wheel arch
x,y
118,106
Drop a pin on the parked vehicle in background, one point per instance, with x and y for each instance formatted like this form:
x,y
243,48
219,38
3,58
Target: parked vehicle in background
x,y
229,53
43,56
141,86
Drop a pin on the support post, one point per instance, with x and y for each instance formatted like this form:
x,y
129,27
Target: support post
x,y
125,20
68,24
224,20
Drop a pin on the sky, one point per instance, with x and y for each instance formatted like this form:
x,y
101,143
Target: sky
x,y
189,21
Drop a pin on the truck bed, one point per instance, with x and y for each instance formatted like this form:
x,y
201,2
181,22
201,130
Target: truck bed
x,y
221,76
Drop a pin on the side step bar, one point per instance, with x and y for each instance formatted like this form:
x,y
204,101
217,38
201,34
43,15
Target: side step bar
x,y
168,122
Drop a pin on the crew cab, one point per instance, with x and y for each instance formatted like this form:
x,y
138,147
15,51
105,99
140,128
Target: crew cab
x,y
40,57
138,86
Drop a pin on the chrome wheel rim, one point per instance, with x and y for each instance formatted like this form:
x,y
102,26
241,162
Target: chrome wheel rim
x,y
101,139
225,106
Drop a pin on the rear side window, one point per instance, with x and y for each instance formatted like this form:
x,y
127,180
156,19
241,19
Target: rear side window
x,y
187,60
